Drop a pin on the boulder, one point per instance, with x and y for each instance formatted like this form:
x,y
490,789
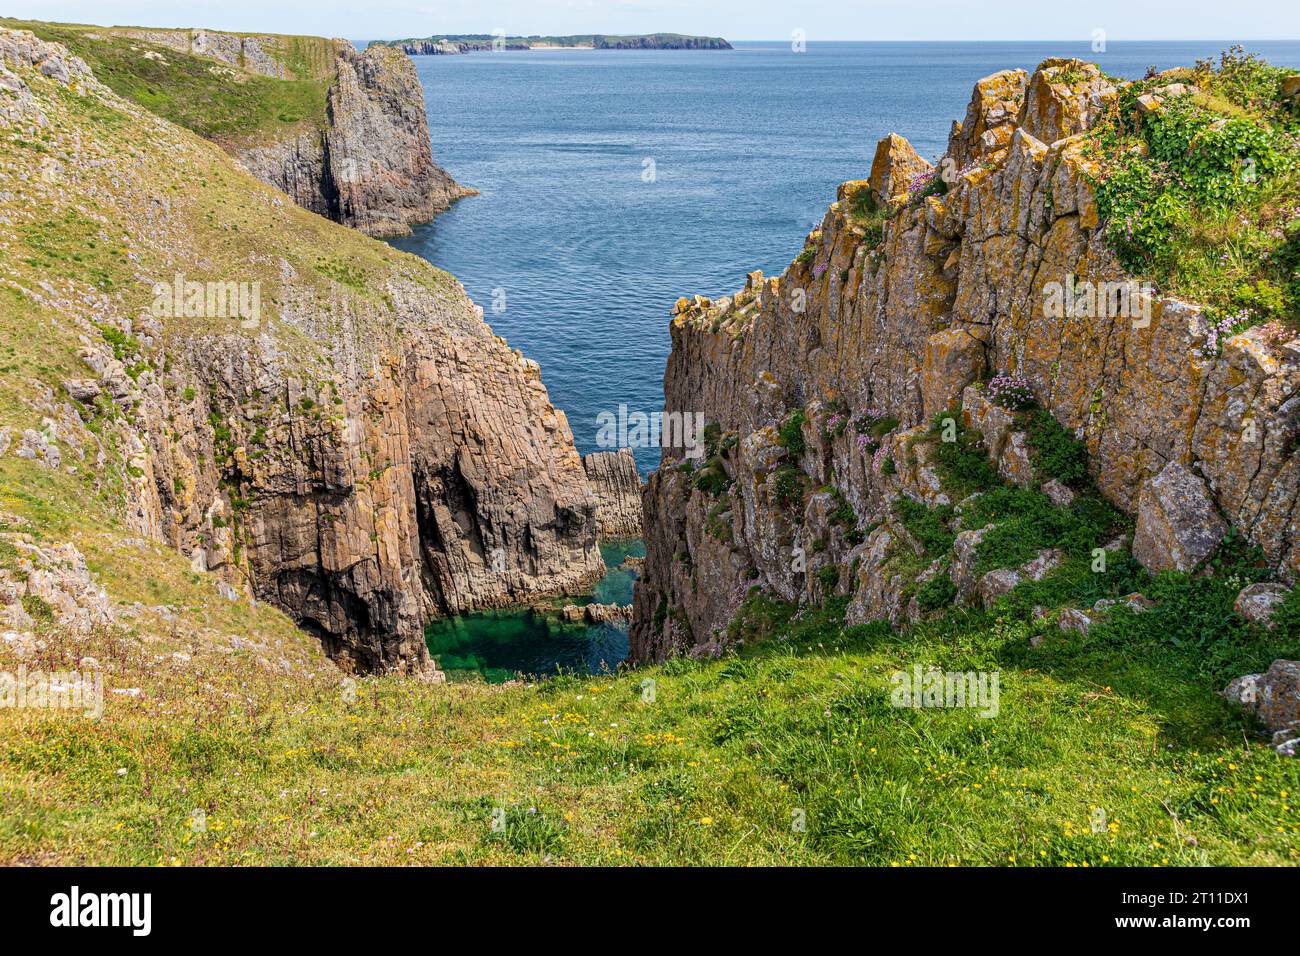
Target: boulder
x,y
1178,526
1257,602
1274,698
82,389
1073,619
1057,493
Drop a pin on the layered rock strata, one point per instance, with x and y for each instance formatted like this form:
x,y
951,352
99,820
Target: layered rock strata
x,y
616,483
371,166
359,450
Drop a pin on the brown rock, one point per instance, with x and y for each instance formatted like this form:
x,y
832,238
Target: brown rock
x,y
1257,602
895,165
616,483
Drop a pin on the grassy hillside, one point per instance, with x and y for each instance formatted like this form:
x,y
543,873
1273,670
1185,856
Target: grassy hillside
x,y
214,99
716,769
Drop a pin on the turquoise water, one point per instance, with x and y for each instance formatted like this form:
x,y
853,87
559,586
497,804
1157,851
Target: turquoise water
x,y
500,645
577,258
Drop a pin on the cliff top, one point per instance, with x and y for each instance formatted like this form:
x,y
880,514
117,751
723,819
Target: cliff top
x,y
1195,172
224,86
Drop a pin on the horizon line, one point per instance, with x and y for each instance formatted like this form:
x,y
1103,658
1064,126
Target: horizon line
x,y
810,41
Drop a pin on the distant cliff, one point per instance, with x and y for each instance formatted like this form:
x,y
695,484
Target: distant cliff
x,y
452,44
345,134
370,166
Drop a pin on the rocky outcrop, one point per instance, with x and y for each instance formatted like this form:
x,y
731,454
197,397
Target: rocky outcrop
x,y
890,320
364,453
597,613
616,483
371,167
1274,699
257,54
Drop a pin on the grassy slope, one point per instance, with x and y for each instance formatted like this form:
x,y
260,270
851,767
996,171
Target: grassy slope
x,y
211,98
712,771
288,769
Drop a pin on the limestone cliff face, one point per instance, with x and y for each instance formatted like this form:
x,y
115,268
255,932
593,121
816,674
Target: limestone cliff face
x,y
361,451
371,167
897,325
616,483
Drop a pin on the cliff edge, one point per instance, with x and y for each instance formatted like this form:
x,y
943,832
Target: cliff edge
x,y
344,134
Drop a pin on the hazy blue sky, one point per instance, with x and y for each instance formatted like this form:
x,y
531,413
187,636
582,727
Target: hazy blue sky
x,y
734,19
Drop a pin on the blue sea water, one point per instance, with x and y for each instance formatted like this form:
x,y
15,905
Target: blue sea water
x,y
748,146
587,256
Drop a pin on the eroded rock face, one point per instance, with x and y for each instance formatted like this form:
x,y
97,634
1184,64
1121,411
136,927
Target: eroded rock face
x,y
430,477
372,166
616,483
958,287
363,454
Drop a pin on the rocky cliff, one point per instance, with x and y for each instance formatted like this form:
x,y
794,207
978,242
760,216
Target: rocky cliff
x,y
821,386
344,134
316,419
616,483
371,166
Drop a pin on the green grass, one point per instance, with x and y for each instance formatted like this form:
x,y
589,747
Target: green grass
x,y
216,101
1200,196
713,767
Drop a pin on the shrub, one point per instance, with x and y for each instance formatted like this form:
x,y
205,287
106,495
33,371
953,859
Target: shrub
x,y
927,525
829,577
790,434
1027,522
713,480
963,464
935,593
1056,453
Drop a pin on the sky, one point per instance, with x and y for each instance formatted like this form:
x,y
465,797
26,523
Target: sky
x,y
1235,20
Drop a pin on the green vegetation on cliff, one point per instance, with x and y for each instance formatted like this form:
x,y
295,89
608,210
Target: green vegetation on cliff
x,y
1199,185
217,100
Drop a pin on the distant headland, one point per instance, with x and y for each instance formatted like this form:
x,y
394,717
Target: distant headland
x,y
456,43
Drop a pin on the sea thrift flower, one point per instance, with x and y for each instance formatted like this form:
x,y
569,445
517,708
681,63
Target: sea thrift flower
x,y
1011,392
